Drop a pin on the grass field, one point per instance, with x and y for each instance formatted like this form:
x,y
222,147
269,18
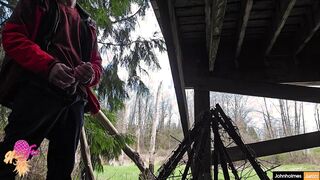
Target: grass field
x,y
130,172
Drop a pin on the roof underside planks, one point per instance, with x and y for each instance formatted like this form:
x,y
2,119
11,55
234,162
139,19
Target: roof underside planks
x,y
263,46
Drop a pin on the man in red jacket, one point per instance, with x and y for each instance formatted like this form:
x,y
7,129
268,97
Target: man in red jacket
x,y
55,42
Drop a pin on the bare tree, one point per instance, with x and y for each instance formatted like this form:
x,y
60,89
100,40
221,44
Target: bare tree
x,y
297,118
289,127
154,131
317,117
163,113
285,117
170,114
122,124
139,127
190,103
132,116
267,119
303,120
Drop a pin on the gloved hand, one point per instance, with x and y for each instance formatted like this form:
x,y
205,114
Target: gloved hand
x,y
61,76
84,73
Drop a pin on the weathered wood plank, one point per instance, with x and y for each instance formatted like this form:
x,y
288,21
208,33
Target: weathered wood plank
x,y
191,20
192,27
193,35
191,11
278,146
215,23
183,3
170,32
279,21
307,34
201,105
246,6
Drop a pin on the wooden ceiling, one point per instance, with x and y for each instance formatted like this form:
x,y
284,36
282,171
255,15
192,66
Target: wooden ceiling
x,y
260,40
250,47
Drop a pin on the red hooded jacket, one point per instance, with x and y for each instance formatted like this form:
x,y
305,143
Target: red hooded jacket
x,y
19,35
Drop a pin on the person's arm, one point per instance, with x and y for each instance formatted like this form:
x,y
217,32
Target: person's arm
x,y
96,63
18,38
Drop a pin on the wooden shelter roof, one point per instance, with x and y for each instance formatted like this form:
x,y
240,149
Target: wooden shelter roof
x,y
251,47
268,48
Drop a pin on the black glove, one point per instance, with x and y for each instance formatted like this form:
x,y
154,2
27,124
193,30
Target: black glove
x,y
84,73
61,76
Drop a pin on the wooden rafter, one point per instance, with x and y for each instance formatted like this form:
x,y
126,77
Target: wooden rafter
x,y
279,21
215,11
169,26
307,34
208,6
246,6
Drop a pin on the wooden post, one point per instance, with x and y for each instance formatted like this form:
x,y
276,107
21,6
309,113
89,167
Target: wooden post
x,y
202,105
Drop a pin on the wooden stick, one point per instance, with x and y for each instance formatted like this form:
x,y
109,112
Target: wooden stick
x,y
134,156
85,153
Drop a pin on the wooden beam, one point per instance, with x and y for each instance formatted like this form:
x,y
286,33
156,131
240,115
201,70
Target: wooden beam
x,y
214,20
246,6
201,105
171,35
278,146
280,19
281,91
307,34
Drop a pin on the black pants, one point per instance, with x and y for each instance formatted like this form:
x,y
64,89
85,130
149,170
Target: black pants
x,y
40,112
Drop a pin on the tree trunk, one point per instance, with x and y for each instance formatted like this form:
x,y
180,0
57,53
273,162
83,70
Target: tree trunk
x,y
303,120
289,128
283,117
296,119
317,117
139,125
268,120
169,123
303,123
154,132
124,127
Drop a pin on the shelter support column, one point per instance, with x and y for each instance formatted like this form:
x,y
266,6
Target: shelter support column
x,y
201,105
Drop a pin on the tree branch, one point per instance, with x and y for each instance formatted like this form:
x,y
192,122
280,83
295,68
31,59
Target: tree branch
x,y
125,44
128,17
6,5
